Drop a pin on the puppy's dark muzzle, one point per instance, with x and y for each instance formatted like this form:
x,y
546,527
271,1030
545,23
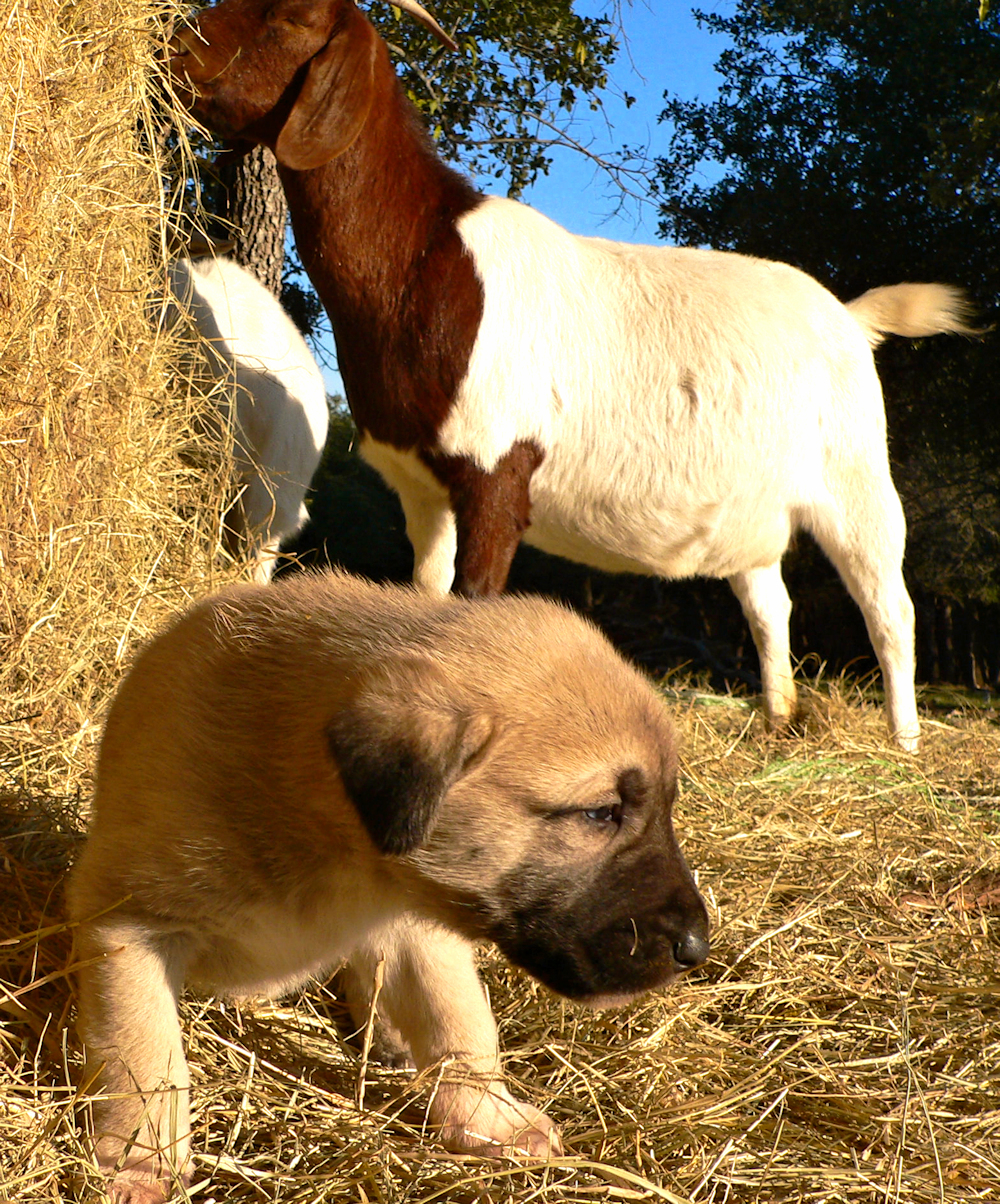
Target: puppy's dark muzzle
x,y
649,950
692,949
634,928
614,962
680,925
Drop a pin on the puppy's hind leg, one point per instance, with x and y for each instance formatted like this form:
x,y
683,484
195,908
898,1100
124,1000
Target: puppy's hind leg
x,y
431,994
128,986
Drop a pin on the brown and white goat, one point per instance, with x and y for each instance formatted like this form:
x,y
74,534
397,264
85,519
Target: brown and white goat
x,y
670,411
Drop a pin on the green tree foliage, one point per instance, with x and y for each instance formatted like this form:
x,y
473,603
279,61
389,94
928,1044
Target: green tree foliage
x,y
500,103
853,133
860,140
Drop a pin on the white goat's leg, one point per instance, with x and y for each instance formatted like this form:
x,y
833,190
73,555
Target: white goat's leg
x,y
262,525
870,562
265,553
431,994
767,607
129,1026
430,527
263,559
880,592
268,512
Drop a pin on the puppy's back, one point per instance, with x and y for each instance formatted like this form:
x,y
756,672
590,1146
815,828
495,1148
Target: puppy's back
x,y
218,736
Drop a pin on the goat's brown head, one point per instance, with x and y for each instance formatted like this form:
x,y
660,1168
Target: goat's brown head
x,y
295,75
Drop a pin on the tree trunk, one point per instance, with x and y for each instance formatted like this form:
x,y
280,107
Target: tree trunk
x,y
945,641
926,642
258,211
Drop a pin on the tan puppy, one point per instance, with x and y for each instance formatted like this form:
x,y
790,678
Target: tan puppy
x,y
326,768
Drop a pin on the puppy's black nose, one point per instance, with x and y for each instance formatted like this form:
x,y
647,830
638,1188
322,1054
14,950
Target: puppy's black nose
x,y
691,950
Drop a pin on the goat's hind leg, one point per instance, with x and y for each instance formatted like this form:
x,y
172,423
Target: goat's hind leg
x,y
272,511
128,984
865,544
767,607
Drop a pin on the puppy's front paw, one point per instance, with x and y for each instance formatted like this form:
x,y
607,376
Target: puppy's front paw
x,y
489,1121
126,1190
131,1185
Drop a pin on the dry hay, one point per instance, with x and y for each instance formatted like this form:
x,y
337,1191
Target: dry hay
x,y
103,528
843,1044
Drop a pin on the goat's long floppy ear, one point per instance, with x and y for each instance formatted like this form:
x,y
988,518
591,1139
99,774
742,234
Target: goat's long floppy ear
x,y
400,744
334,101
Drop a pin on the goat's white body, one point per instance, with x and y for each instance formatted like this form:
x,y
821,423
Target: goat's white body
x,y
273,389
693,406
694,409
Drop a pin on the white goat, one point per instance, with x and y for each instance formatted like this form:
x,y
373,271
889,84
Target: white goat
x,y
692,409
273,390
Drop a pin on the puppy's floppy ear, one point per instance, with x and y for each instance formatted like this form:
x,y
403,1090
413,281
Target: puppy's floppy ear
x,y
334,101
400,743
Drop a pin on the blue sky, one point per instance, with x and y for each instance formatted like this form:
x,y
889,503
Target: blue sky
x,y
663,47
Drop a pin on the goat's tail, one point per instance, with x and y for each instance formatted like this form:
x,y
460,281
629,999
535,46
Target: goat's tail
x,y
912,310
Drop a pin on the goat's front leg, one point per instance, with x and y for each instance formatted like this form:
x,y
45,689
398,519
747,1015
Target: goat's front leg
x,y
492,511
430,527
432,997
128,985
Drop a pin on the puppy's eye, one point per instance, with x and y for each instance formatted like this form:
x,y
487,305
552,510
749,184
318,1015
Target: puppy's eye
x,y
611,814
